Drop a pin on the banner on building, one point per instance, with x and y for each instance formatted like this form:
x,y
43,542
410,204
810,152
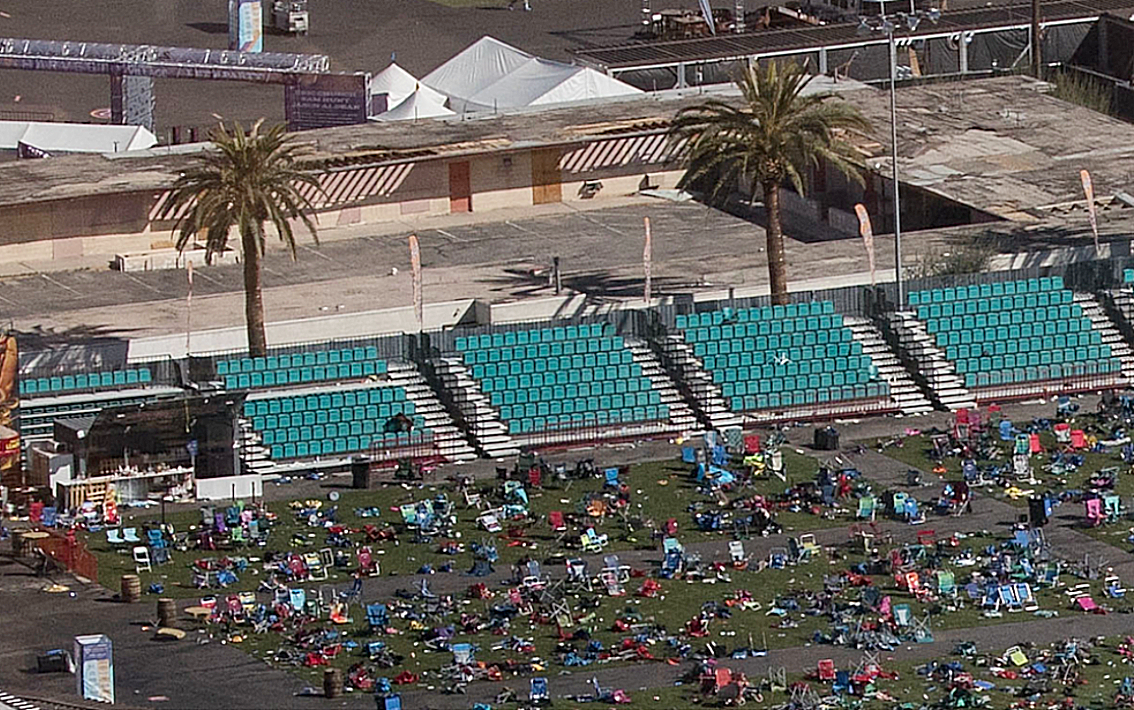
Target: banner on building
x,y
246,25
415,267
1089,191
648,260
9,403
867,233
94,667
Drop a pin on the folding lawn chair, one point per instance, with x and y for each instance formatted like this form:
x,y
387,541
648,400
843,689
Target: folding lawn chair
x,y
736,554
297,598
463,653
556,521
778,558
826,670
316,571
902,615
920,629
114,537
378,617
1016,656
489,522
946,583
610,477
592,542
537,691
130,535
367,562
613,565
141,555
866,505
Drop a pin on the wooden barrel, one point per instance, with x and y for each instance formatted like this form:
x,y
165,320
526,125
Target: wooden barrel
x,y
332,682
18,543
166,612
131,588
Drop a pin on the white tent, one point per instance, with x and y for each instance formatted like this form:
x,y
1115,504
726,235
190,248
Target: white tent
x,y
74,137
490,74
398,84
419,104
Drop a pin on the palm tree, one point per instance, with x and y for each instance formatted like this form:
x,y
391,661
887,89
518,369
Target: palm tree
x,y
249,179
772,137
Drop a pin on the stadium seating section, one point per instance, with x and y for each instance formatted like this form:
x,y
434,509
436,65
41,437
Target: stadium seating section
x,y
86,382
326,423
300,368
781,356
555,379
1013,332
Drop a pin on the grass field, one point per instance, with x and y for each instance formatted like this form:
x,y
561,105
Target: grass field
x,y
659,491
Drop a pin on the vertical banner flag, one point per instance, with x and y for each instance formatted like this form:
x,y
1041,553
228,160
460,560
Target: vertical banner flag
x,y
1089,191
9,403
867,233
415,266
188,305
647,260
707,12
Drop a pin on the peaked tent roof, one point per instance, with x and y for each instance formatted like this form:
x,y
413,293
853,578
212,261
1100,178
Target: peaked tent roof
x,y
480,64
398,84
74,137
490,74
419,104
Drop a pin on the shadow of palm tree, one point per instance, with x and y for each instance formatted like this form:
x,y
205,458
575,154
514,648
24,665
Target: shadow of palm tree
x,y
594,285
79,348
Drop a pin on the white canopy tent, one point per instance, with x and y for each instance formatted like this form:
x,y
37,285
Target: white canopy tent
x,y
74,137
490,74
419,104
398,84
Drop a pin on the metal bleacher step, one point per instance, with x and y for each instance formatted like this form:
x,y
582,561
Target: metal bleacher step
x,y
945,384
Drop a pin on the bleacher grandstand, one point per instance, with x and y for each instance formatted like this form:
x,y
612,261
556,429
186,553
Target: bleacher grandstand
x,y
801,359
1002,340
635,373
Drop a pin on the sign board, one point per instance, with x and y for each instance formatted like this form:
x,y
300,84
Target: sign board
x,y
246,25
325,100
94,667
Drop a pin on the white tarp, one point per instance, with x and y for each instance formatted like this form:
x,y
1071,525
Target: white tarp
x,y
419,104
74,137
398,84
491,75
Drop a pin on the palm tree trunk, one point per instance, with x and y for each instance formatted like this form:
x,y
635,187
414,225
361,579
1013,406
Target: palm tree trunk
x,y
777,268
253,295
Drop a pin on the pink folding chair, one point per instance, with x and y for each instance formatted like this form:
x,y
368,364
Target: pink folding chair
x,y
1094,511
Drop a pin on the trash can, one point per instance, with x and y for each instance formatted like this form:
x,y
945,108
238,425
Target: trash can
x,y
827,439
360,472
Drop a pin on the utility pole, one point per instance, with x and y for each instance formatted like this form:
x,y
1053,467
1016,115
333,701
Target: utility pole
x,y
1037,59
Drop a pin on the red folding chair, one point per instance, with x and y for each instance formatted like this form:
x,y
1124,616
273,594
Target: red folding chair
x,y
752,443
556,521
535,477
827,669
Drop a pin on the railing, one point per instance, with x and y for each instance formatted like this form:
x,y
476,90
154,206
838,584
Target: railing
x,y
70,553
425,449
1048,388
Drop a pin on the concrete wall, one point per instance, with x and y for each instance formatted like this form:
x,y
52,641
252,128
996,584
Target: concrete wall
x,y
107,225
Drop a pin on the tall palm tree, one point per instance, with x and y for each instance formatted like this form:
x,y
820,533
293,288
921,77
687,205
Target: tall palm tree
x,y
250,179
772,137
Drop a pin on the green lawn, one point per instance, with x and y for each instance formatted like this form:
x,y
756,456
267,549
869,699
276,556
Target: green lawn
x,y
679,602
659,491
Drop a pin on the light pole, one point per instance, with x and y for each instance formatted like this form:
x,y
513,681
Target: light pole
x,y
886,25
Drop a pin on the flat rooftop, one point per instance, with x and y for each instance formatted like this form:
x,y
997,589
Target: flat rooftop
x,y
1001,145
372,143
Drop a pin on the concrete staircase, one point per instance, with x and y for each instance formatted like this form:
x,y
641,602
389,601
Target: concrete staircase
x,y
449,441
480,419
905,393
711,406
928,364
681,416
1101,323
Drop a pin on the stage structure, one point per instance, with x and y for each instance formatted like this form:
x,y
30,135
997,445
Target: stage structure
x,y
132,69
